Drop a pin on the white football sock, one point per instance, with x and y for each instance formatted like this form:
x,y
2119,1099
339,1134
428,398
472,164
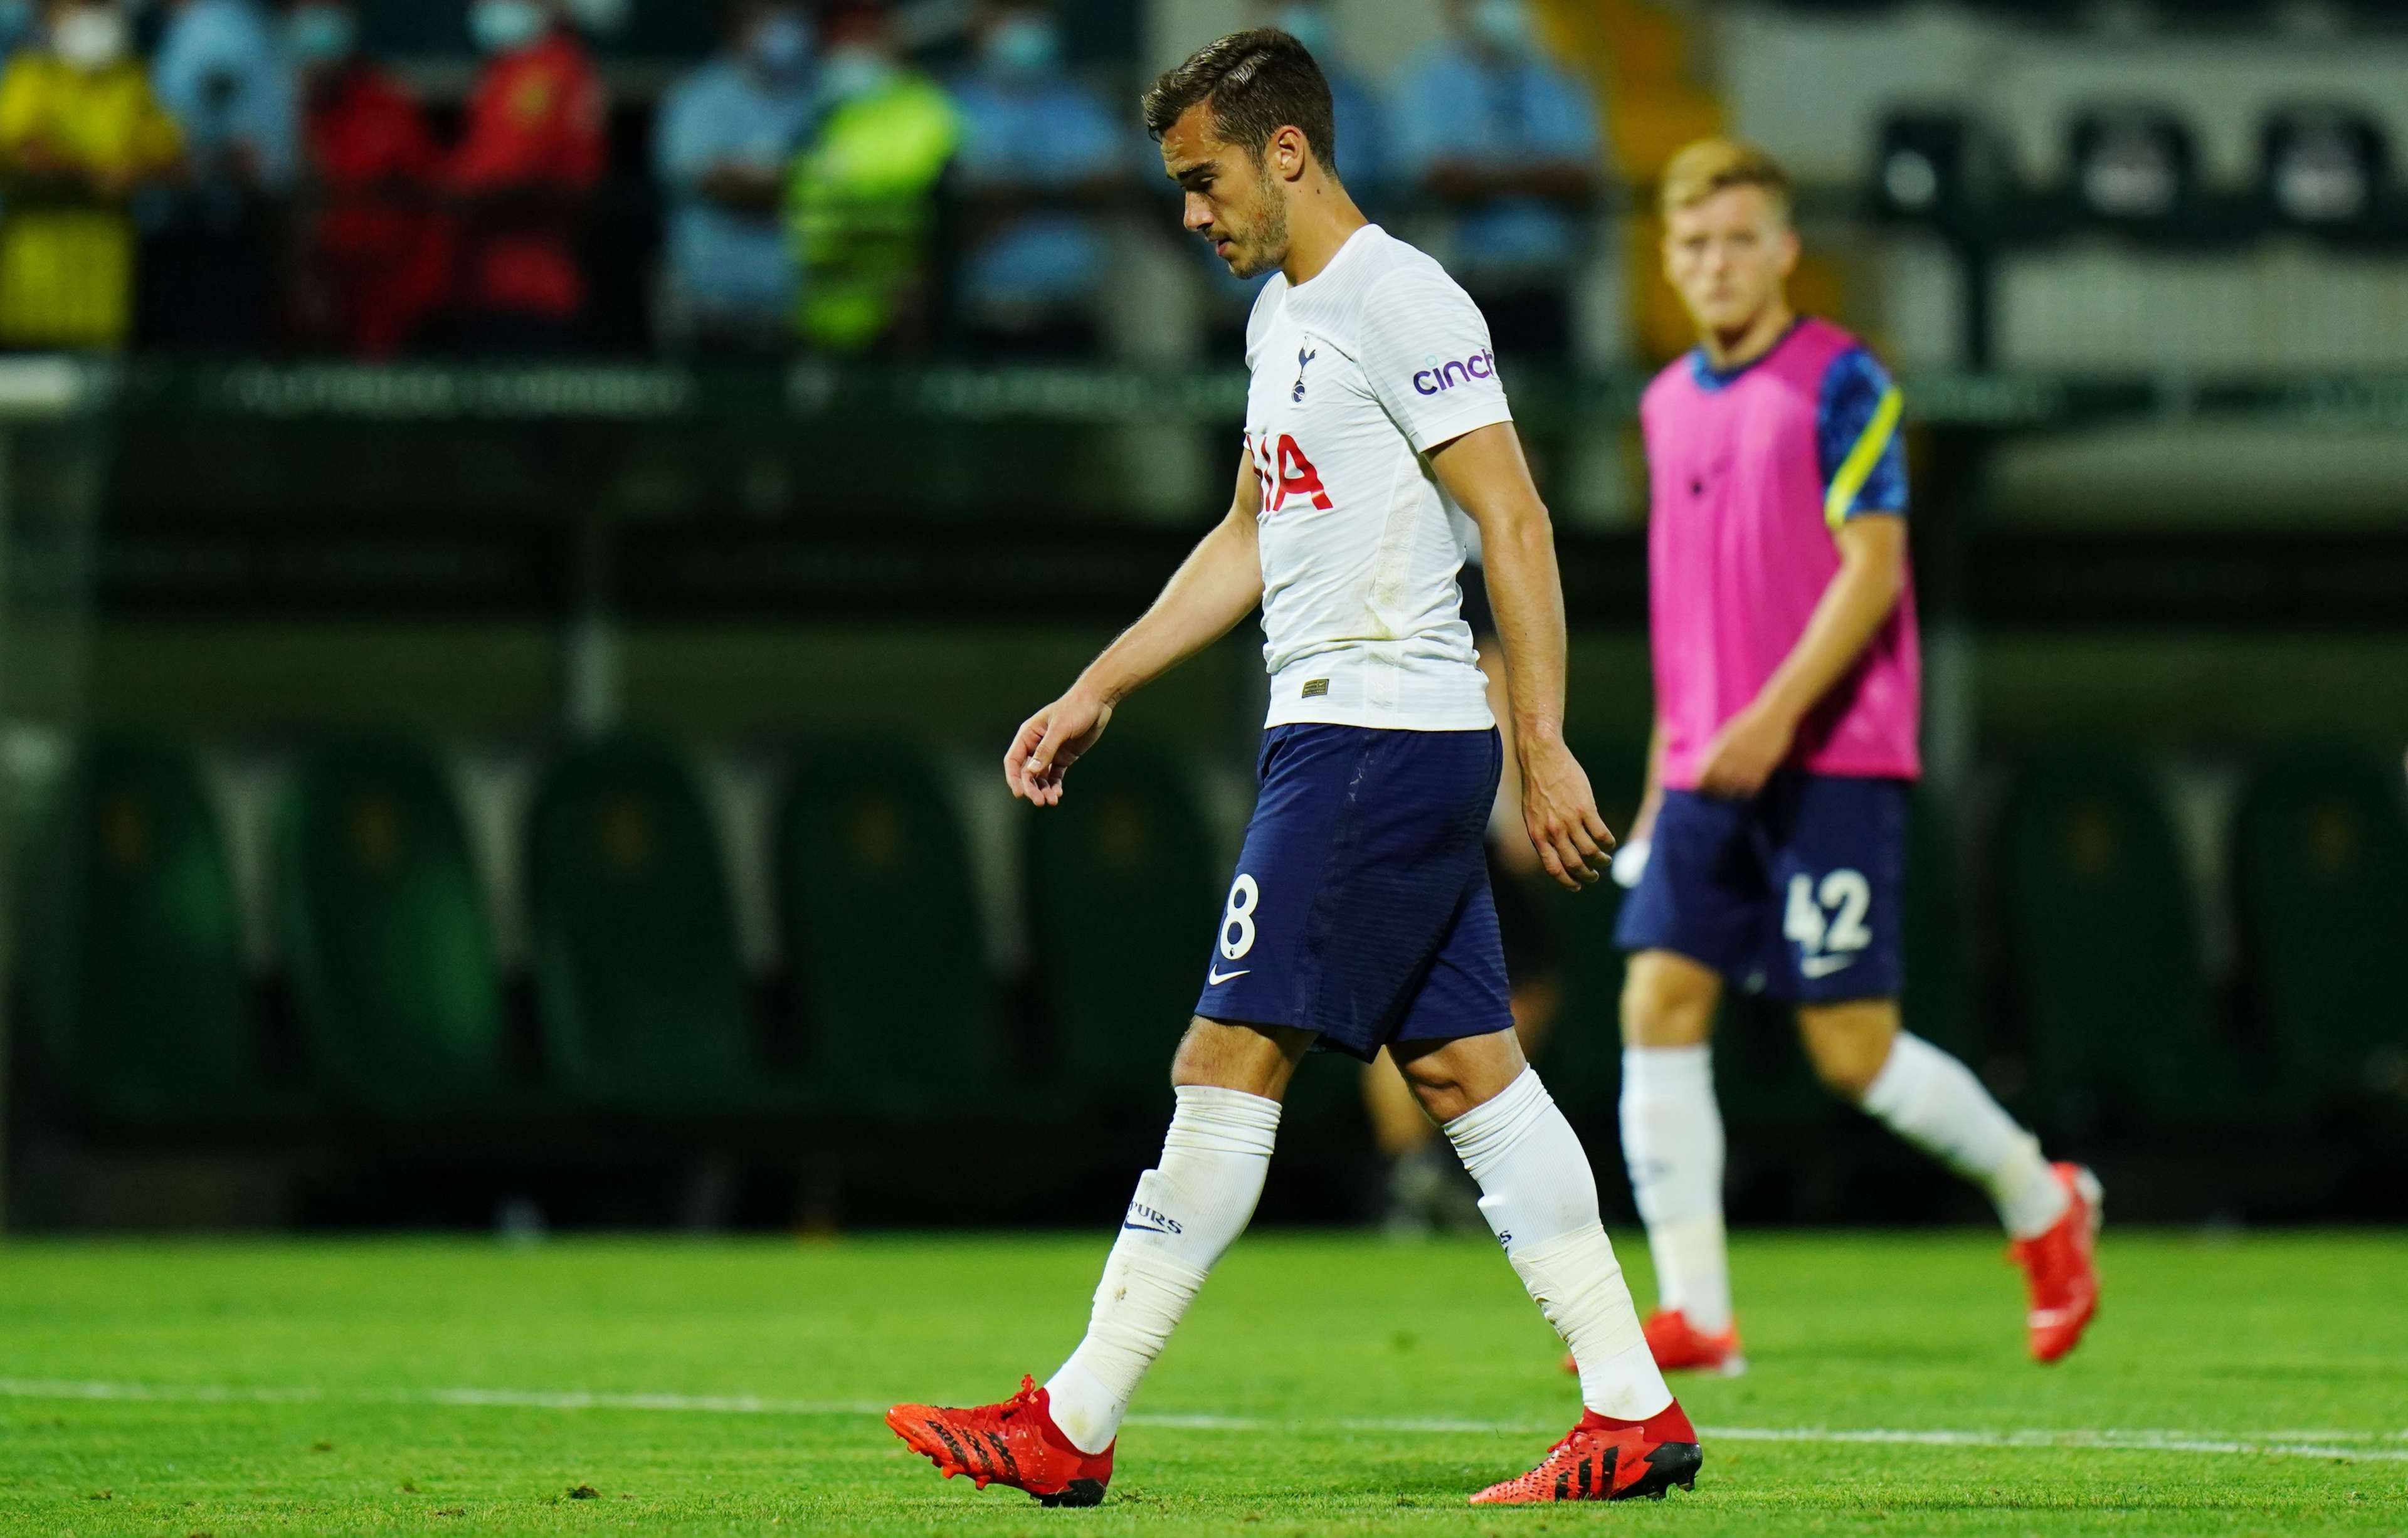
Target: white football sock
x,y
1187,1210
1672,1141
1935,1102
1539,1195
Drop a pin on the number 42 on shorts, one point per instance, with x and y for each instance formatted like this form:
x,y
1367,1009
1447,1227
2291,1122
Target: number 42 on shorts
x,y
1826,921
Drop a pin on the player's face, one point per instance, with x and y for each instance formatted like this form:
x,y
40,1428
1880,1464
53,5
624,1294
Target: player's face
x,y
1230,199
1728,257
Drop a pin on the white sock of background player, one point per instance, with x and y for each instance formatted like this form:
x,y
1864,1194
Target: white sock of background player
x,y
1935,1102
1189,1209
1672,1141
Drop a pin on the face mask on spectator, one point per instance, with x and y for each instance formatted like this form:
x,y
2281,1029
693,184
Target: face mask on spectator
x,y
320,34
505,27
1307,24
600,17
853,71
1503,26
1024,46
780,46
91,38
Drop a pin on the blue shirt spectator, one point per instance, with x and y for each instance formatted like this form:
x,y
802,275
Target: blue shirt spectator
x,y
1489,111
1362,121
222,74
1028,127
16,24
727,135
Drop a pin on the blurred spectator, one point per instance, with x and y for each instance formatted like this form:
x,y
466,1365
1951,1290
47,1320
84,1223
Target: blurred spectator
x,y
1362,121
209,273
727,135
80,132
532,151
863,197
17,17
1502,134
375,261
1034,138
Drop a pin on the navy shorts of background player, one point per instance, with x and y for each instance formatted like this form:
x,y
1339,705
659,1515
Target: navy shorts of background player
x,y
1361,909
1796,893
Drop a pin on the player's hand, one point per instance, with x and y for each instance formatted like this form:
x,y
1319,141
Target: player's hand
x,y
1049,742
1642,821
1559,812
1745,752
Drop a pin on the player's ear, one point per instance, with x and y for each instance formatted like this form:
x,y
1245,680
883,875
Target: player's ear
x,y
1290,153
1787,248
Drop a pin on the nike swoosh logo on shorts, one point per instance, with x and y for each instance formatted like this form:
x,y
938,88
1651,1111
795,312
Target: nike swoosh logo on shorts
x,y
1822,966
1214,978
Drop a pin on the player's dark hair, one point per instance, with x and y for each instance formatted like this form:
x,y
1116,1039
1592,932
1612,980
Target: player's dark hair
x,y
1257,83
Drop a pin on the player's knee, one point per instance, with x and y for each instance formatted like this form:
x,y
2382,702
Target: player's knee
x,y
1668,1003
1257,1059
1459,1075
1848,1045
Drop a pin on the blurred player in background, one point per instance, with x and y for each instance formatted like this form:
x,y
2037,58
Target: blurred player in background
x,y
1361,916
1788,690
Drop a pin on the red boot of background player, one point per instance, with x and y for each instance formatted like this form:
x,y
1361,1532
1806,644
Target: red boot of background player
x,y
1015,1442
2062,1270
1680,1347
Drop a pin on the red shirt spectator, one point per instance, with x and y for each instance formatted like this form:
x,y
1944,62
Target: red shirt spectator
x,y
381,255
533,148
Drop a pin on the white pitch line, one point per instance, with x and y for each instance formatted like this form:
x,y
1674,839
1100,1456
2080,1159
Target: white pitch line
x,y
2325,1443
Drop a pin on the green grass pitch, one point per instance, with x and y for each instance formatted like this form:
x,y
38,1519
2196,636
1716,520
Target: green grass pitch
x,y
2247,1384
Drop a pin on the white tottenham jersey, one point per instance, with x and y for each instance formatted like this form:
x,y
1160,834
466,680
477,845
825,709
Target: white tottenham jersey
x,y
1358,374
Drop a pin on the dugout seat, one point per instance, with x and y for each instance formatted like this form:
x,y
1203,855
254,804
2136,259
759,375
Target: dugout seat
x,y
130,946
639,985
1939,1003
1123,882
386,935
2104,951
2320,858
882,927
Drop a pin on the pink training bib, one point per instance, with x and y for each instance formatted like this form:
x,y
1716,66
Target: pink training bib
x,y
1751,475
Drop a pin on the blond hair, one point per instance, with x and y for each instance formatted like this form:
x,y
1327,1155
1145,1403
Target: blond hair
x,y
1710,165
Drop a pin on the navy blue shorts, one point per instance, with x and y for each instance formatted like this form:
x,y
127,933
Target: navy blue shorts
x,y
1796,894
1361,907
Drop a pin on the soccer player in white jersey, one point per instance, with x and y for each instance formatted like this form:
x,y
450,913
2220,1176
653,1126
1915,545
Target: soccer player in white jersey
x,y
1360,916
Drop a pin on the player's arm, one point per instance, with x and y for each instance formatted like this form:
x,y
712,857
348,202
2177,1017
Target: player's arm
x,y
1484,472
1872,576
1219,584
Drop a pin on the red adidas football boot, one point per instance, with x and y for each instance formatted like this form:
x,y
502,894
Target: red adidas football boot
x,y
1680,1347
1015,1442
2062,1267
1603,1459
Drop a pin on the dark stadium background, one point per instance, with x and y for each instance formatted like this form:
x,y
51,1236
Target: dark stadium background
x,y
463,791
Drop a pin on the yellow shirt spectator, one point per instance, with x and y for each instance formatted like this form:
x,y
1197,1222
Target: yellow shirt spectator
x,y
73,144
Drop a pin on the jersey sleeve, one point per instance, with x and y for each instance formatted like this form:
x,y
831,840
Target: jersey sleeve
x,y
1858,430
1425,350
